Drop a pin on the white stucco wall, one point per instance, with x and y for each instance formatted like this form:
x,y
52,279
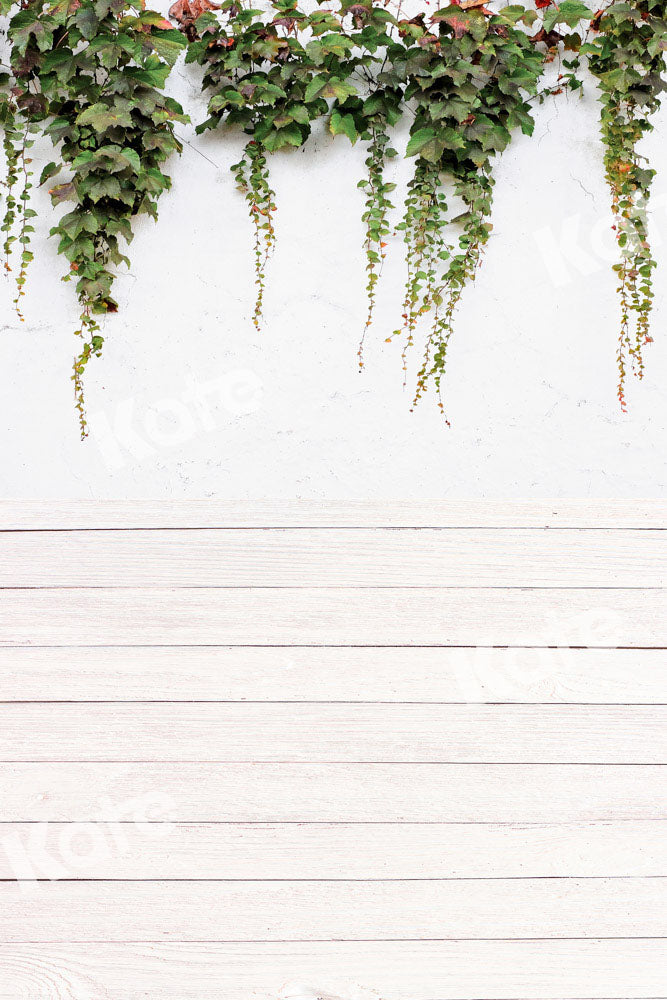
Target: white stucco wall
x,y
189,401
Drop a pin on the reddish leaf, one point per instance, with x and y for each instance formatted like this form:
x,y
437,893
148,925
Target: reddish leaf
x,y
186,12
62,192
457,18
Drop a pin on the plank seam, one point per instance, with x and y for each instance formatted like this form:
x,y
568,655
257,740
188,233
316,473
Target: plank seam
x,y
314,701
510,824
337,940
172,588
542,529
320,763
339,527
327,586
309,645
318,881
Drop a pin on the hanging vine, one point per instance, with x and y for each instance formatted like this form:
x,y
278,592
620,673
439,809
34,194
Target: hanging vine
x,y
376,211
91,74
627,58
264,76
370,114
16,222
468,72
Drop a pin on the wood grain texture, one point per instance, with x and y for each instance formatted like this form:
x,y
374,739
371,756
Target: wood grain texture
x,y
423,970
223,728
168,850
329,793
334,558
333,732
324,910
223,673
350,617
128,514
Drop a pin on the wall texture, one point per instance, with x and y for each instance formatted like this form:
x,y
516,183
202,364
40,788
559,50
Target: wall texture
x,y
189,400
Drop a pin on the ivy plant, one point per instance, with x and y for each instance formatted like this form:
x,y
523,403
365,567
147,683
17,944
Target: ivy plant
x,y
17,218
262,75
91,73
627,57
468,74
370,114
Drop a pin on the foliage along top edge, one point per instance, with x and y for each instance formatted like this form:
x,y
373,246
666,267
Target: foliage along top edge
x,y
90,75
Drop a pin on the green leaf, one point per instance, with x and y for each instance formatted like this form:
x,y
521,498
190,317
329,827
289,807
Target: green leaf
x,y
50,170
228,98
163,141
276,139
169,111
155,74
569,12
152,180
343,125
315,88
87,22
521,116
62,62
418,140
168,44
101,187
298,113
132,157
338,89
102,117
26,24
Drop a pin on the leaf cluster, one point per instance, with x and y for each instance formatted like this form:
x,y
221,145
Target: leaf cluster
x,y
627,57
91,74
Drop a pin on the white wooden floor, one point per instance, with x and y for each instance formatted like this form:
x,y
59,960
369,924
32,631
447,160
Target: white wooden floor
x,y
413,751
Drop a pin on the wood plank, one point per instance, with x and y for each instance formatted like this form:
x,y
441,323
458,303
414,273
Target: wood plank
x,y
232,731
492,851
56,514
357,793
224,673
334,558
354,616
323,910
423,970
167,850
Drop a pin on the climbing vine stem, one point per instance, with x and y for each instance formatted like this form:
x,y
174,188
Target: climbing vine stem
x,y
16,225
252,178
627,57
375,219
